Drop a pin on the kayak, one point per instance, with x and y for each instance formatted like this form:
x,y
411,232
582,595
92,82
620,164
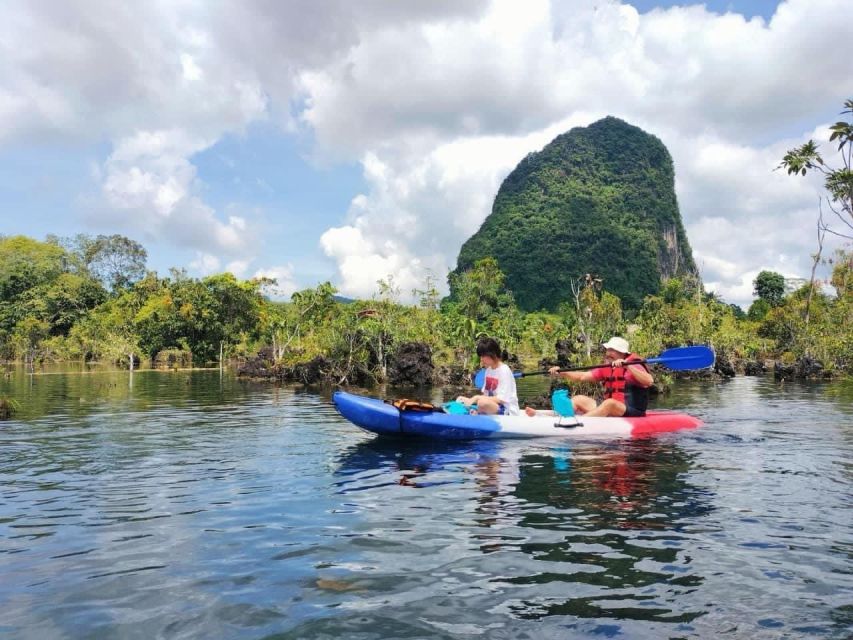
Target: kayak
x,y
376,416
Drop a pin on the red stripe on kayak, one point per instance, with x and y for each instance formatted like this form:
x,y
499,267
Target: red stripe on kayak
x,y
662,422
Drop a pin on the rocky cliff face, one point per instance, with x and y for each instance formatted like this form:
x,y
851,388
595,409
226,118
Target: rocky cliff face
x,y
597,199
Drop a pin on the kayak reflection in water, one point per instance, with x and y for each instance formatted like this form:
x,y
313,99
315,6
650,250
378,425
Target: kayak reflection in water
x,y
626,386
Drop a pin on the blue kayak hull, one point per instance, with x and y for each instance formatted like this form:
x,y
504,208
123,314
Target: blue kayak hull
x,y
382,418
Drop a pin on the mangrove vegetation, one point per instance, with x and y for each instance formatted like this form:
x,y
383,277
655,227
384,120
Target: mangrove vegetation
x,y
61,301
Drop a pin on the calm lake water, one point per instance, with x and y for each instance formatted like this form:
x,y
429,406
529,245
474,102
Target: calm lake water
x,y
198,506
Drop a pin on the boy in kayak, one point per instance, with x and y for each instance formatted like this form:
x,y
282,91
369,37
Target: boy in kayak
x,y
626,386
499,396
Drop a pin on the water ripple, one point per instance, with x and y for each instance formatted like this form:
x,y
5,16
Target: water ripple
x,y
198,506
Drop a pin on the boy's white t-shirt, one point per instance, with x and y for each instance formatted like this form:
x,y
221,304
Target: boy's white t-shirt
x,y
501,383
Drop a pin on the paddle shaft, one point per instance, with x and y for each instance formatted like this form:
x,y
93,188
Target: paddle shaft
x,y
522,374
677,358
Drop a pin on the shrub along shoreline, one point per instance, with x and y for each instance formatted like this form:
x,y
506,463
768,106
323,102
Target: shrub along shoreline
x,y
91,299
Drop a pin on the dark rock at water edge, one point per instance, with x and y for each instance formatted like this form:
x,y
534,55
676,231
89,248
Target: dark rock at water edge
x,y
568,350
565,352
411,365
804,368
698,374
323,370
754,368
452,376
724,366
260,366
510,359
314,371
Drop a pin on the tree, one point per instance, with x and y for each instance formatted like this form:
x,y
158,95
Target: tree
x,y
584,287
737,311
115,260
770,287
428,297
65,301
28,334
236,308
758,310
307,309
25,264
481,290
842,274
838,181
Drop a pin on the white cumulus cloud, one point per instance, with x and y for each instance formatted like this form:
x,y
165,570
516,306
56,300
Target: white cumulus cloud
x,y
439,114
285,282
437,101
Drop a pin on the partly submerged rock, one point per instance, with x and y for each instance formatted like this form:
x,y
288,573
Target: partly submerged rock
x,y
804,368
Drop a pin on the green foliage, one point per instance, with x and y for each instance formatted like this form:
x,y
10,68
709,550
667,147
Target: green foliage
x,y
8,407
842,275
827,335
838,180
54,308
669,321
480,291
200,315
737,312
24,265
770,287
598,200
115,261
758,310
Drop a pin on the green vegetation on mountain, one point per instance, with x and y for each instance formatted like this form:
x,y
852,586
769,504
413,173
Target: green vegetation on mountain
x,y
597,199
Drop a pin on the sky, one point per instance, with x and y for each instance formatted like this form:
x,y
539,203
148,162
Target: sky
x,y
315,140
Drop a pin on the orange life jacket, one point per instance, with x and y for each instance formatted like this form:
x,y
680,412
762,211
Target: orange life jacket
x,y
616,387
404,404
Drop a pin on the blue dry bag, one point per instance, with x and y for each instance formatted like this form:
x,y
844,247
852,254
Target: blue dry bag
x,y
562,403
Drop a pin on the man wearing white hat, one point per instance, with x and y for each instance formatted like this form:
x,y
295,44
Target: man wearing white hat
x,y
626,386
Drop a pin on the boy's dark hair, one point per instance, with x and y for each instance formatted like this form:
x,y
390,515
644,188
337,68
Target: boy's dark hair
x,y
489,347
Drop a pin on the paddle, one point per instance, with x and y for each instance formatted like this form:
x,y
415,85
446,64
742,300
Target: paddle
x,y
677,359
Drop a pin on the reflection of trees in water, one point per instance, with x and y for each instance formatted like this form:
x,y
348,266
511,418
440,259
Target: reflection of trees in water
x,y
90,421
82,391
621,509
806,393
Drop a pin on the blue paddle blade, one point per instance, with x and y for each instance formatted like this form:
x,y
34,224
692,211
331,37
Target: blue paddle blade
x,y
684,358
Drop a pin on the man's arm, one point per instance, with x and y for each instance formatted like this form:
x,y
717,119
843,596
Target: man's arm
x,y
576,376
638,372
643,377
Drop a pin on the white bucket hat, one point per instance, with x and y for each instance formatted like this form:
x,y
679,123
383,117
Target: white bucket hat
x,y
617,344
